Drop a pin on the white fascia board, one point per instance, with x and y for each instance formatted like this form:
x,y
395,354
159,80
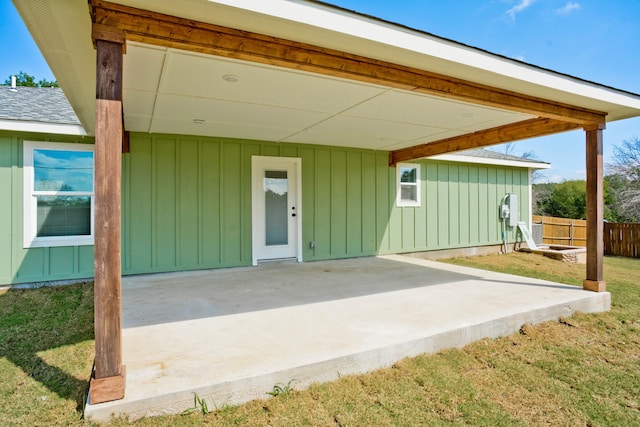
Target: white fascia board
x,y
345,22
40,127
488,161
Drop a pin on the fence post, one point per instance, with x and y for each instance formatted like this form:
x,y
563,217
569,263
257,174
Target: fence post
x,y
571,233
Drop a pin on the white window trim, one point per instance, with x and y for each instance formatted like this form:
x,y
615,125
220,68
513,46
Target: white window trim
x,y
406,203
30,208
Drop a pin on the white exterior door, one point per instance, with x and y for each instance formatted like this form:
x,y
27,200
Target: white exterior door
x,y
276,213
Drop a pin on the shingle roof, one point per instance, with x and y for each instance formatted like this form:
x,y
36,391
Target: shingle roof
x,y
36,104
490,154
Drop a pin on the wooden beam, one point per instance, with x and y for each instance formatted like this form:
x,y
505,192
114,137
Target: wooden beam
x,y
595,212
108,382
174,32
109,34
512,132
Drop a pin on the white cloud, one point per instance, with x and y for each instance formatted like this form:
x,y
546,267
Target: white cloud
x,y
55,168
582,173
568,8
519,8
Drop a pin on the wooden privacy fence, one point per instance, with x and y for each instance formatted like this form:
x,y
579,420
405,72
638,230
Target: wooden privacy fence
x,y
622,239
562,231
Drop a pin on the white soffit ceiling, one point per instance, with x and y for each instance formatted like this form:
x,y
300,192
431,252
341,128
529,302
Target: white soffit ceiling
x,y
166,90
324,25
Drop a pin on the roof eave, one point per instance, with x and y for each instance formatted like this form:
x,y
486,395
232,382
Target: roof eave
x,y
42,127
70,54
491,161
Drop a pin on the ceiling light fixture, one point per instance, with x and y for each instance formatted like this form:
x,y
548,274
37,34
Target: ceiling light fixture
x,y
230,78
198,121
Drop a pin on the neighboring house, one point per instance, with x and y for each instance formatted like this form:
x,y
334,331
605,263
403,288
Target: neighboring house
x,y
176,215
205,113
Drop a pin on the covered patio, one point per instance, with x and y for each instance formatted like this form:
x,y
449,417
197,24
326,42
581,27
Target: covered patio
x,y
309,73
230,335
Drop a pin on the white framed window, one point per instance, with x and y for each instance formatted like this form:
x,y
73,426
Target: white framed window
x,y
58,194
408,179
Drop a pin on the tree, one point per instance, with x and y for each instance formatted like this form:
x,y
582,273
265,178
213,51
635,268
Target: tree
x,y
568,199
617,185
510,149
626,169
24,79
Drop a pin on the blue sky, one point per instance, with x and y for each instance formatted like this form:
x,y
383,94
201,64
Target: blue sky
x,y
55,168
597,40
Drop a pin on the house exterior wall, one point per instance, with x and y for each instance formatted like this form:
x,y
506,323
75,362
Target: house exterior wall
x,y
186,204
19,265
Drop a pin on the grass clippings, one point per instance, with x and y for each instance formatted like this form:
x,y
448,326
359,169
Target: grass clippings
x,y
582,370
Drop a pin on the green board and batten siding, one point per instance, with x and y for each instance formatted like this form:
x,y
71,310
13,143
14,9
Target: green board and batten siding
x,y
19,265
187,205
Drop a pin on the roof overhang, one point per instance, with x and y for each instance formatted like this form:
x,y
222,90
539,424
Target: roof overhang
x,y
461,157
308,72
42,127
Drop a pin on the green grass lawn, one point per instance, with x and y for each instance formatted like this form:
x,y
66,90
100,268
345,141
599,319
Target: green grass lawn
x,y
582,370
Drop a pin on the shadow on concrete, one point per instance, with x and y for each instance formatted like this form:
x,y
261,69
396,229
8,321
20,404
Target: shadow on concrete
x,y
524,282
173,297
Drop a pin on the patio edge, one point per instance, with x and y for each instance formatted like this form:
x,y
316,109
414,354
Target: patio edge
x,y
246,389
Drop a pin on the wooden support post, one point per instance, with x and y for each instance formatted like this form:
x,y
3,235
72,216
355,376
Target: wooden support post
x,y
108,382
595,211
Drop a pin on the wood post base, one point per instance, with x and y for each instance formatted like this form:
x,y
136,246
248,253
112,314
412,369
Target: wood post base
x,y
107,389
595,285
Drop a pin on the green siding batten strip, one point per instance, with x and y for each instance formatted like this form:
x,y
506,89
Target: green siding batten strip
x,y
474,206
354,203
165,205
464,201
367,212
308,201
338,204
189,206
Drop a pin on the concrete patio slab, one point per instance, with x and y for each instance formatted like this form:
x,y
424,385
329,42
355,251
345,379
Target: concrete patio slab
x,y
230,335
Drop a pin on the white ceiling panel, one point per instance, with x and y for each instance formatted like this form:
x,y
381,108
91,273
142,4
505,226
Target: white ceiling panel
x,y
189,108
224,130
204,76
137,123
499,121
429,111
375,128
427,139
342,139
143,57
138,102
268,103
